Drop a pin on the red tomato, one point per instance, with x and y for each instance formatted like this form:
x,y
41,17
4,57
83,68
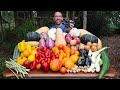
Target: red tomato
x,y
63,70
38,66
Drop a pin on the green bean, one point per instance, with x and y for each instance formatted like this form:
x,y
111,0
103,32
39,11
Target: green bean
x,y
13,65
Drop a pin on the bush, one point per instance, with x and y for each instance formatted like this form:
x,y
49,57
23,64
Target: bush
x,y
25,27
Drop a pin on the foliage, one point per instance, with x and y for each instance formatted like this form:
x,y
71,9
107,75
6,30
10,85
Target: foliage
x,y
103,22
25,27
3,67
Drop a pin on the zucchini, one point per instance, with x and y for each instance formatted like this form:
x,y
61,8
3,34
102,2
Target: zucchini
x,y
106,64
16,53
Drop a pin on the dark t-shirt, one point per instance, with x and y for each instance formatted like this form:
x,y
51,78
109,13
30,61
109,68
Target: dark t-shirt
x,y
62,27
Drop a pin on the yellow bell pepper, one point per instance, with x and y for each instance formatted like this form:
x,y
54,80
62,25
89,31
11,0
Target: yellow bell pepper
x,y
21,46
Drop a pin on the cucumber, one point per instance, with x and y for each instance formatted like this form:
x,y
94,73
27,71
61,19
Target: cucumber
x,y
106,64
16,53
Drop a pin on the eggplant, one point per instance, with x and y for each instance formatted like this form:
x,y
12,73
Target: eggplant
x,y
88,61
81,61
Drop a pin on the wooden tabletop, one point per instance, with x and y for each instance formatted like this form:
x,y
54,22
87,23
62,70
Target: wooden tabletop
x,y
41,74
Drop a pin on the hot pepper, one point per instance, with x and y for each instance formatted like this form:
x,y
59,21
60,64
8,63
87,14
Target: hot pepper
x,y
33,65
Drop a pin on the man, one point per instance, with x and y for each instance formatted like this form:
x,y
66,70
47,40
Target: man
x,y
58,21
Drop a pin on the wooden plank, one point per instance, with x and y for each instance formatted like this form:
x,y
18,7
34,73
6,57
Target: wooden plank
x,y
41,74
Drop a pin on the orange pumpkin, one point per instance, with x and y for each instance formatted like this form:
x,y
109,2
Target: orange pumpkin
x,y
55,65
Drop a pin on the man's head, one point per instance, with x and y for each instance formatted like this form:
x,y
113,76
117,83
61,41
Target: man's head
x,y
58,18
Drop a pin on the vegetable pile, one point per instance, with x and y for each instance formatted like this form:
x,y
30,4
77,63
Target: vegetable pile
x,y
57,51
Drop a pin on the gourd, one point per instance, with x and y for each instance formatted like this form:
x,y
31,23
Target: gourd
x,y
60,39
32,43
106,64
42,29
32,36
89,38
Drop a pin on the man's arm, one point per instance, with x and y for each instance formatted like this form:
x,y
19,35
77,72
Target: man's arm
x,y
83,31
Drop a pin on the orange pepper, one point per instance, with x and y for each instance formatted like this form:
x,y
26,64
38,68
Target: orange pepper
x,y
55,49
67,53
61,55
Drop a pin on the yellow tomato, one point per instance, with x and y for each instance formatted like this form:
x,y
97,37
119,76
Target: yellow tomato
x,y
20,60
26,53
31,58
74,58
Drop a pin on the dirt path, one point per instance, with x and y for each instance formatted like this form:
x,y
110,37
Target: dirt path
x,y
114,51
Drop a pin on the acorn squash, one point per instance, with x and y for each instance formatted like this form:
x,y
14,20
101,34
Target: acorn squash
x,y
89,38
32,36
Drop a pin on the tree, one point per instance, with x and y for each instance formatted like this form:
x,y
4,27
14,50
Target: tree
x,y
85,20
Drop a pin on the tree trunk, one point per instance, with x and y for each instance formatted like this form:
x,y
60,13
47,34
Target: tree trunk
x,y
85,20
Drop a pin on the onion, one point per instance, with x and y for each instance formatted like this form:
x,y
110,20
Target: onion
x,y
42,43
43,35
50,43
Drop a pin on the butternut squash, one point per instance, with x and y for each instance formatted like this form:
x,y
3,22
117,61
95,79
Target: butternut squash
x,y
60,39
42,29
32,43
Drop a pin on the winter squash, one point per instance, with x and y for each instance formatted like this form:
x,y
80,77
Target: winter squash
x,y
89,38
32,36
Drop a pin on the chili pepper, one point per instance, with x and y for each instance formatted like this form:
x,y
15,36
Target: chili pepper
x,y
26,64
53,57
37,56
50,53
47,54
56,55
33,65
42,56
42,61
46,59
37,61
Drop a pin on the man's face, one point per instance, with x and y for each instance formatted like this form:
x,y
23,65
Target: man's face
x,y
58,18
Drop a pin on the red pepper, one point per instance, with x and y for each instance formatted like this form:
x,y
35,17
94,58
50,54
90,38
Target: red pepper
x,y
48,60
26,64
37,56
47,54
33,65
41,59
42,56
56,55
53,57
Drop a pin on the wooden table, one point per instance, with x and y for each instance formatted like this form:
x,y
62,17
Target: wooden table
x,y
53,75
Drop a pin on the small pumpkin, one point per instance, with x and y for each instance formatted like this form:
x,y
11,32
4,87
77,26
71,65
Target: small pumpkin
x,y
89,38
32,36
